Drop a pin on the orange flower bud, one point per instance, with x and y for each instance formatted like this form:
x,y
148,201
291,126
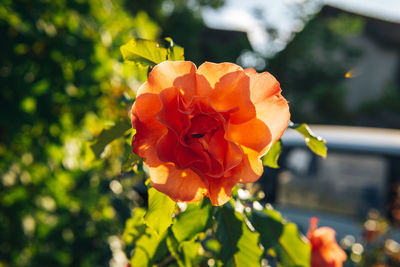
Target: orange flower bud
x,y
325,252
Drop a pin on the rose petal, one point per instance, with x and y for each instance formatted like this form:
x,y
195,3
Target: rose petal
x,y
170,150
325,250
146,107
213,72
148,129
180,74
145,140
220,189
329,256
179,185
169,115
323,235
203,87
253,134
232,93
233,156
217,150
271,107
251,167
201,124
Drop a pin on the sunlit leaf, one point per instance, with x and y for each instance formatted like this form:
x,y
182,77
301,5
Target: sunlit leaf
x,y
175,52
185,253
271,158
10,197
148,53
134,227
28,104
315,143
159,214
173,247
190,250
192,221
144,52
149,248
282,237
269,224
213,245
148,245
292,250
106,136
130,162
239,245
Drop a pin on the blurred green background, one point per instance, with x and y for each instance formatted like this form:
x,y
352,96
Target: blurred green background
x,y
63,81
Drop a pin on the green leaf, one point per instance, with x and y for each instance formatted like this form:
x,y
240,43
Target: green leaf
x,y
175,52
130,162
271,158
213,245
148,53
149,248
182,240
192,221
315,143
292,250
239,245
159,214
106,136
185,253
134,227
269,224
144,52
148,245
173,247
190,250
284,238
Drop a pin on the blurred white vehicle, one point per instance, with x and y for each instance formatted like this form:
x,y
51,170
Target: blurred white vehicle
x,y
361,173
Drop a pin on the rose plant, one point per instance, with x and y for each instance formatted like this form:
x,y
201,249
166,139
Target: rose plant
x,y
204,132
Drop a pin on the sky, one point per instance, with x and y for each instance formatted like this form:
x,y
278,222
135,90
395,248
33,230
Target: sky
x,y
271,24
382,9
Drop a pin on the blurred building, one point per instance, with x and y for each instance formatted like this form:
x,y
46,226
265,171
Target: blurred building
x,y
221,45
343,68
379,63
338,63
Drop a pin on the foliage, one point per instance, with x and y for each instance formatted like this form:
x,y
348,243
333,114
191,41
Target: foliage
x,y
271,158
239,234
62,85
108,135
281,237
159,215
239,245
146,53
315,143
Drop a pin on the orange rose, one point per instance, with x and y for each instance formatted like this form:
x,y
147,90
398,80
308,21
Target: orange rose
x,y
325,252
201,131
